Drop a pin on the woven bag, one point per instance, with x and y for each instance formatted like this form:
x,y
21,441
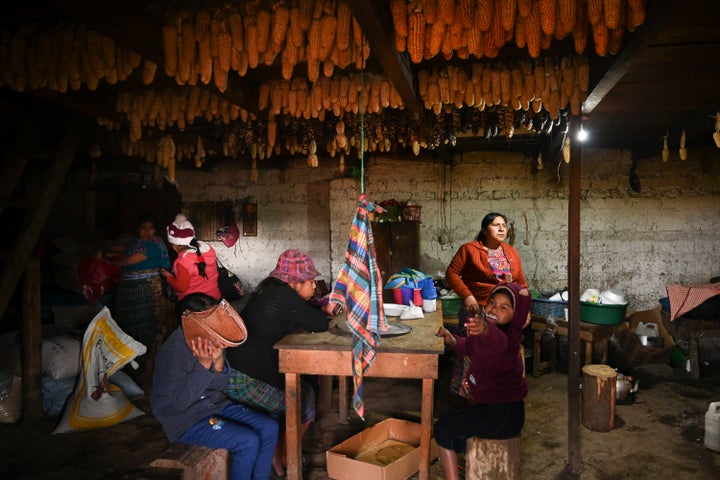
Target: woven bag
x,y
220,324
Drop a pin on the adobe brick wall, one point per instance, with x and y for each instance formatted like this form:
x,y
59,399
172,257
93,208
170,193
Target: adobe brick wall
x,y
638,242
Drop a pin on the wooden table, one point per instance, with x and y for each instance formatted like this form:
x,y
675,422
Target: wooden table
x,y
594,337
413,355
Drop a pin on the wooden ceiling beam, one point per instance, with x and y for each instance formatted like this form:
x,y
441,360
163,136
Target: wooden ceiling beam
x,y
376,23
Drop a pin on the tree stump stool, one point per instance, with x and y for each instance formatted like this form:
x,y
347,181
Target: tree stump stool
x,y
492,459
599,388
195,462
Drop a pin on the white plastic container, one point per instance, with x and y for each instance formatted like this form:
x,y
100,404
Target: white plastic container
x,y
429,305
712,427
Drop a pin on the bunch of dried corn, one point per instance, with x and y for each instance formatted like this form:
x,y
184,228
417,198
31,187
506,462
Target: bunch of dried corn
x,y
481,27
174,107
207,44
547,83
59,57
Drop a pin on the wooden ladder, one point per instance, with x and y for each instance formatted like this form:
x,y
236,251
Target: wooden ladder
x,y
25,204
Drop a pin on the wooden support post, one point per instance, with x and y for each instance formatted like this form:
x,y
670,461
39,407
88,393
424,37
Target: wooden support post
x,y
598,397
490,459
32,342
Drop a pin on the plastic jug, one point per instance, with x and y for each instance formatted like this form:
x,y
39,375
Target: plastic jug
x,y
712,427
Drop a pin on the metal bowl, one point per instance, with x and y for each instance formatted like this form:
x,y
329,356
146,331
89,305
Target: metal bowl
x,y
393,309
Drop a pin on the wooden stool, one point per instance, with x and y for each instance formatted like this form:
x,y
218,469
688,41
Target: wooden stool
x,y
196,462
491,459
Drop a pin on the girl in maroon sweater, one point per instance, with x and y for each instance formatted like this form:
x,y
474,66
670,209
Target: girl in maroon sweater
x,y
495,380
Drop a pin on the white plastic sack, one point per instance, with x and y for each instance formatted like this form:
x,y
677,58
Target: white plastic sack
x,y
96,403
55,393
126,383
61,357
413,311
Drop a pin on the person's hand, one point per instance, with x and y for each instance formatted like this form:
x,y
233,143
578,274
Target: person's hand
x,y
331,309
471,305
527,321
207,353
164,273
475,325
448,337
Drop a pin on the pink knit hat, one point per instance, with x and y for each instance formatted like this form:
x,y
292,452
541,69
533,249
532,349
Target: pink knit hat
x,y
181,231
294,266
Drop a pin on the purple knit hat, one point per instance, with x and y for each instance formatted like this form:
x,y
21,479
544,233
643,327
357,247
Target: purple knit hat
x,y
294,266
520,298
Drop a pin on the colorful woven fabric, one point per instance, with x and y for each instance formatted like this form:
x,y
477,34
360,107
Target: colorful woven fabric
x,y
684,298
266,398
359,289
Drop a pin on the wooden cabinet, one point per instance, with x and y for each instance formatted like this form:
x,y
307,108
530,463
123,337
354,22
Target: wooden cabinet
x,y
115,212
397,245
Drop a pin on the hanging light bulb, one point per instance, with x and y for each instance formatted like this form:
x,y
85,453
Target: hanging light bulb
x,y
582,134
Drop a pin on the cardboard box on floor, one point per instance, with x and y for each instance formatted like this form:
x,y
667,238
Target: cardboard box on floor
x,y
389,450
637,353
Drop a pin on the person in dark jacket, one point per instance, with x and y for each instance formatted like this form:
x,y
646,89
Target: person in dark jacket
x,y
277,307
188,401
495,381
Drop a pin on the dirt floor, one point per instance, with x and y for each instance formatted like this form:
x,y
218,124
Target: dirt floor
x,y
660,435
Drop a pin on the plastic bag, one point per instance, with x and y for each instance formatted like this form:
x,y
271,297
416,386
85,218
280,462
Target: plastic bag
x,y
231,288
97,278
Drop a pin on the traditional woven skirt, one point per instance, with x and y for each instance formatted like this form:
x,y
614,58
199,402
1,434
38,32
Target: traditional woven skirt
x,y
141,309
266,398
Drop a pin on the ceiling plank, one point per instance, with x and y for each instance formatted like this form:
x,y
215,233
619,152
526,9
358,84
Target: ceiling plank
x,y
660,17
374,19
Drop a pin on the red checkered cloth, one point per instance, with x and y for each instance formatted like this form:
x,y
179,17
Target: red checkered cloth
x,y
684,298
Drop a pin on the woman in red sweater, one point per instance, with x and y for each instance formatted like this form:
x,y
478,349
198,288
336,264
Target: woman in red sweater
x,y
480,265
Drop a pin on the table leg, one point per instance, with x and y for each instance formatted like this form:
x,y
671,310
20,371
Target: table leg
x,y
694,357
588,352
292,426
325,391
343,400
426,416
536,355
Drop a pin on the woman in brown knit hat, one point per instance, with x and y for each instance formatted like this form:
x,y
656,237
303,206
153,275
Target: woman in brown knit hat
x,y
278,306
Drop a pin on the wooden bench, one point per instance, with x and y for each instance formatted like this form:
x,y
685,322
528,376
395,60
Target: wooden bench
x,y
196,462
491,459
594,337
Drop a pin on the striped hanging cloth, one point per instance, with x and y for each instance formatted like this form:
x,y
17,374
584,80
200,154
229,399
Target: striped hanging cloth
x,y
359,289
